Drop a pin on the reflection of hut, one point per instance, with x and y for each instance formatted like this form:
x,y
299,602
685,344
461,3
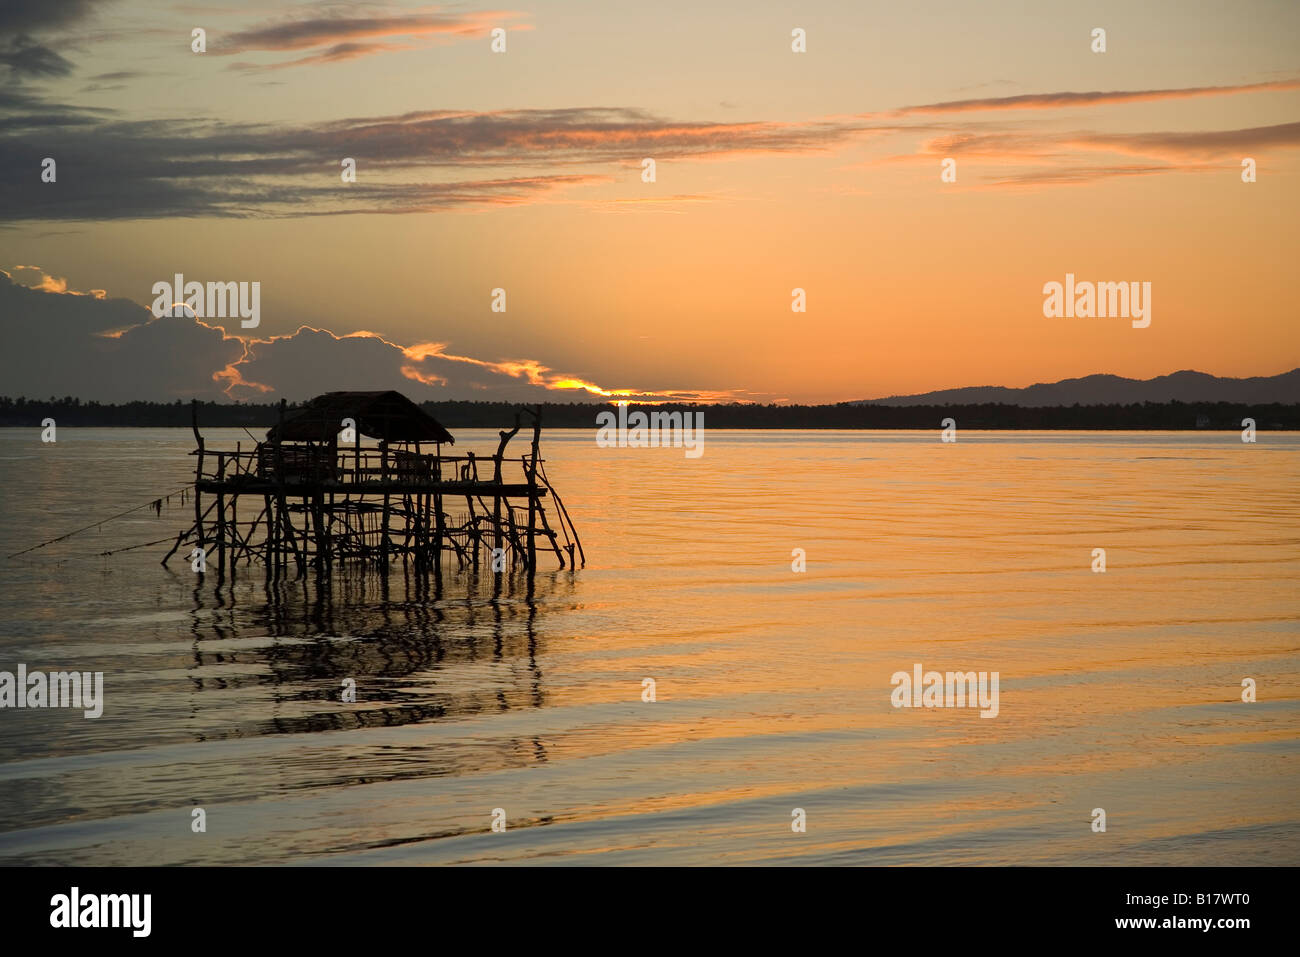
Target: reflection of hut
x,y
326,495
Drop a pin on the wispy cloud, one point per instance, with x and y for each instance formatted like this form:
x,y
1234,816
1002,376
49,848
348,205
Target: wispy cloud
x,y
1056,101
345,37
1074,175
1054,157
1200,144
147,169
144,169
23,55
35,15
338,53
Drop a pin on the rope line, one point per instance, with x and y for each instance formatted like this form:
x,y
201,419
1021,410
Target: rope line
x,y
127,548
155,504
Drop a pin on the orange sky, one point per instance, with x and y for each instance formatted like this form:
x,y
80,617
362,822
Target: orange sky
x,y
775,170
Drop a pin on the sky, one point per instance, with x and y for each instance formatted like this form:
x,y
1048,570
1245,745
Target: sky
x,y
522,171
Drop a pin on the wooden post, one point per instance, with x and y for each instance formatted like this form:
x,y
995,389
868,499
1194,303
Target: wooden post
x,y
408,524
532,492
497,461
383,475
198,473
471,521
438,526
234,533
290,533
268,546
318,523
421,524
221,515
356,472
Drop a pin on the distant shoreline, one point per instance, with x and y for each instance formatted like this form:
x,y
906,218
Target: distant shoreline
x,y
804,429
1136,417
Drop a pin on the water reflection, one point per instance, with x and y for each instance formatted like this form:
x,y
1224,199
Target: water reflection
x,y
414,644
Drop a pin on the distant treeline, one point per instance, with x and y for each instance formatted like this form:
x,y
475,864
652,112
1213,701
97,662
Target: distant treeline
x,y
579,415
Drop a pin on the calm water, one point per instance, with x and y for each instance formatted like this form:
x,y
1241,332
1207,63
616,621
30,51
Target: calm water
x,y
1119,691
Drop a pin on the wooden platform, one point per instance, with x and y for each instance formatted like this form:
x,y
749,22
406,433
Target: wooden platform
x,y
318,496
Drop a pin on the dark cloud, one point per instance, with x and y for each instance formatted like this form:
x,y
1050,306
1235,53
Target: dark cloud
x,y
321,31
21,53
339,37
114,169
118,75
113,350
110,168
311,361
34,15
108,349
25,57
59,342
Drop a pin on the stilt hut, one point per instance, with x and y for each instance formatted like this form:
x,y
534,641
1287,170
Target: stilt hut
x,y
321,494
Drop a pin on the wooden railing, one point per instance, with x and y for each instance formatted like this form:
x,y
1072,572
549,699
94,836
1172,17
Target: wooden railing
x,y
308,464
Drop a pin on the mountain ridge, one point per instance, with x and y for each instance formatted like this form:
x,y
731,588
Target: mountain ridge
x,y
1186,385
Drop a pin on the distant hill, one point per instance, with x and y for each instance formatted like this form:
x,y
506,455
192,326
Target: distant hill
x,y
1186,386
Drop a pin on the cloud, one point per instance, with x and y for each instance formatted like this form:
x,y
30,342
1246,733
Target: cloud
x,y
62,342
311,361
1172,145
572,135
1076,175
20,52
22,112
44,282
320,31
1055,155
337,38
335,54
28,15
435,197
1053,101
114,169
671,203
26,57
117,75
1203,144
996,145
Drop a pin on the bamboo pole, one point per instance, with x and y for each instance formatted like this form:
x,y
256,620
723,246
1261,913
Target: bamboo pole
x,y
221,515
532,492
198,473
383,474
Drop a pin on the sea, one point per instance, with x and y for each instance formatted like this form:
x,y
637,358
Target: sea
x,y
719,685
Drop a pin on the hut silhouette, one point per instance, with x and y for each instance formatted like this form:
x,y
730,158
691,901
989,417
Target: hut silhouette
x,y
325,496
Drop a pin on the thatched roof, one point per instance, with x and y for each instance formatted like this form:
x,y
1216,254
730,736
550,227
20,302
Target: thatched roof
x,y
390,416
